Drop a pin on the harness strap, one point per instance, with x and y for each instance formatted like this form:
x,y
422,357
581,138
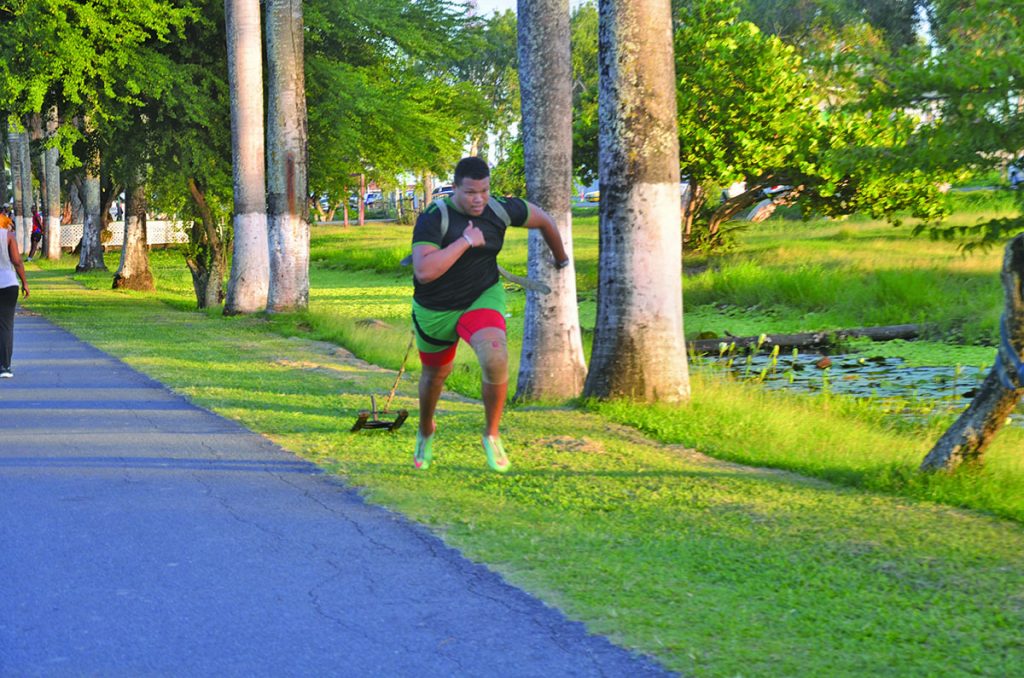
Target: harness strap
x,y
426,337
496,207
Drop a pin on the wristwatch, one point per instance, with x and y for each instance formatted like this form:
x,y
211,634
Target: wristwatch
x,y
561,264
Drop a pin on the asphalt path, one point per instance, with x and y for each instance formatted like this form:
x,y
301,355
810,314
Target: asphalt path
x,y
141,535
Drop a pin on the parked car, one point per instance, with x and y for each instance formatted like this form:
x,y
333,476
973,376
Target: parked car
x,y
373,197
1015,174
442,191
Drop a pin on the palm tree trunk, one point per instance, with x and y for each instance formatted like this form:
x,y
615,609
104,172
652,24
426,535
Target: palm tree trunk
x,y
27,192
51,241
250,264
639,350
288,213
4,197
133,272
14,141
39,161
552,364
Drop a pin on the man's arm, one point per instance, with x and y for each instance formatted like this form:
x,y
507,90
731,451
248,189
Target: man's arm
x,y
429,263
542,220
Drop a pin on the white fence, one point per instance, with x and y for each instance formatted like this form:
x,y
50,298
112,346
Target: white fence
x,y
157,233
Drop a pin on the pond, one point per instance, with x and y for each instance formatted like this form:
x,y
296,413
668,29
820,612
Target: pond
x,y
890,383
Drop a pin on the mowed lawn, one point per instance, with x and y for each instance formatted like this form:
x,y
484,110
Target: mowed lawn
x,y
715,568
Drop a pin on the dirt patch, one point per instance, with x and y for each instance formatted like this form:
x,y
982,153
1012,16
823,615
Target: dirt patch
x,y
571,444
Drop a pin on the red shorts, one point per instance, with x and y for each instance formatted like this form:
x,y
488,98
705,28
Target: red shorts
x,y
469,324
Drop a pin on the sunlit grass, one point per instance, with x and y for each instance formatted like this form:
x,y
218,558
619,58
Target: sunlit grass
x,y
715,568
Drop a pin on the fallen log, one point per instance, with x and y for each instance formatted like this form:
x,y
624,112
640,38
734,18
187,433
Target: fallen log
x,y
969,436
814,340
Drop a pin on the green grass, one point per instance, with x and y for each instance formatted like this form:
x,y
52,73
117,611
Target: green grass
x,y
715,568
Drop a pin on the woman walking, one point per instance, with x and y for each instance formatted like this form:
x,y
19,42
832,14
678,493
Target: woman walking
x,y
11,271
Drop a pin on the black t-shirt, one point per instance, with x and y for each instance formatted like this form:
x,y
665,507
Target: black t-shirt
x,y
477,268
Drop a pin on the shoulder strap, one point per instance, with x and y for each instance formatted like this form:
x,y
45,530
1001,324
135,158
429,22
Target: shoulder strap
x,y
500,210
443,207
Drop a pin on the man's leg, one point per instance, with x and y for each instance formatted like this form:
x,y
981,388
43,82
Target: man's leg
x,y
431,385
436,368
491,350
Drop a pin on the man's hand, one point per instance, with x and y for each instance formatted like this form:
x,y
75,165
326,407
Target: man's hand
x,y
474,235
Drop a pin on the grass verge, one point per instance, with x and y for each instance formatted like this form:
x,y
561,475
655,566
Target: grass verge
x,y
717,569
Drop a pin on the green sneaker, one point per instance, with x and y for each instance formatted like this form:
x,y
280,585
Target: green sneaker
x,y
496,457
424,451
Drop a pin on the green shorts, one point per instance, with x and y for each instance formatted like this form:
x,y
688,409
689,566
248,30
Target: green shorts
x,y
437,330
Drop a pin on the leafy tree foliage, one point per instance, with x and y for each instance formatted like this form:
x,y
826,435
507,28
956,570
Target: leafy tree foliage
x,y
90,58
378,101
509,177
752,109
968,85
488,60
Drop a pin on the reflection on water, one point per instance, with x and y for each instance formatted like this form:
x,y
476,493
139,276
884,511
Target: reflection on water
x,y
888,382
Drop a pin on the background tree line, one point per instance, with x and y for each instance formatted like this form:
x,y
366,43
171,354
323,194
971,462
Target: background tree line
x,y
871,106
138,93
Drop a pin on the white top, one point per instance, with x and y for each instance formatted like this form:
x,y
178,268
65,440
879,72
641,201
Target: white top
x,y
8,277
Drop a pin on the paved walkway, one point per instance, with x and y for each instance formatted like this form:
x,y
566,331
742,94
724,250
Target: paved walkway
x,y
140,535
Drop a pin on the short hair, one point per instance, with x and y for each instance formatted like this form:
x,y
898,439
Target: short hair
x,y
472,168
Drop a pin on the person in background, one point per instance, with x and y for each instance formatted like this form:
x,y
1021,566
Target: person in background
x,y
37,233
11,272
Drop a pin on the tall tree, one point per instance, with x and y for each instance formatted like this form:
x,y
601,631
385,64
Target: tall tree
x,y
287,186
552,364
4,195
638,351
27,189
15,139
51,242
250,263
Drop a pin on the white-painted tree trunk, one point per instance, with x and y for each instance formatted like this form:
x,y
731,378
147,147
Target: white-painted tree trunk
x,y
4,148
287,185
552,364
27,193
51,241
14,144
639,350
250,265
133,272
39,163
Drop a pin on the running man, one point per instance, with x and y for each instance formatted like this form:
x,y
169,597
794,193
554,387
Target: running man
x,y
458,293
